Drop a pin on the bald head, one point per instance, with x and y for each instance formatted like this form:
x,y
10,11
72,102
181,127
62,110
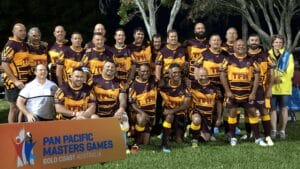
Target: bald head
x,y
202,75
99,28
231,35
19,31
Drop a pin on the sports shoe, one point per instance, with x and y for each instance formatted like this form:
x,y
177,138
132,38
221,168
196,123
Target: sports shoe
x,y
127,151
260,142
269,141
187,131
273,134
245,137
282,134
233,141
134,149
166,150
237,131
194,143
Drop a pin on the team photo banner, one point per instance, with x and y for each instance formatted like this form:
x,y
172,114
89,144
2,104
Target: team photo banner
x,y
61,144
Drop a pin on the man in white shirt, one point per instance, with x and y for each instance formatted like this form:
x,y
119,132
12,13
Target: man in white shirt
x,y
36,99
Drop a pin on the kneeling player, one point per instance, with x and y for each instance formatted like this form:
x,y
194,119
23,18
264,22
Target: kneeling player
x,y
176,99
142,96
204,95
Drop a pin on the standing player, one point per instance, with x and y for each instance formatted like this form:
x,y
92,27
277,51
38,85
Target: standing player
x,y
122,57
16,66
94,58
195,46
69,59
264,90
204,96
75,100
171,53
240,76
176,100
141,50
56,50
142,96
38,53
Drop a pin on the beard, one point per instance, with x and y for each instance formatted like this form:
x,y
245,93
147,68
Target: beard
x,y
200,35
254,46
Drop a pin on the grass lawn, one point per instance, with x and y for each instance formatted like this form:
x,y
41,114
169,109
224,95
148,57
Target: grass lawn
x,y
215,155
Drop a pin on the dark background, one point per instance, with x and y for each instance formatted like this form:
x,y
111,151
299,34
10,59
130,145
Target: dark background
x,y
79,15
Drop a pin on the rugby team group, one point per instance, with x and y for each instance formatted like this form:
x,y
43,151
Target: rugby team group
x,y
182,89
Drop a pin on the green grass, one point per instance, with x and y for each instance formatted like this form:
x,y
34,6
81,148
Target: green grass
x,y
218,155
283,155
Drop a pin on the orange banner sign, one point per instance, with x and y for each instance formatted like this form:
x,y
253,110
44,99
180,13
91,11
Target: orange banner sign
x,y
60,144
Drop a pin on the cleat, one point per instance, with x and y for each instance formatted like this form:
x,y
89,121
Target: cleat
x,y
260,142
245,137
166,150
282,134
269,141
233,141
187,131
194,143
273,134
127,151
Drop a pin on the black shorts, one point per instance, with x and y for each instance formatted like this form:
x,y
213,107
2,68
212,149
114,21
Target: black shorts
x,y
233,103
11,95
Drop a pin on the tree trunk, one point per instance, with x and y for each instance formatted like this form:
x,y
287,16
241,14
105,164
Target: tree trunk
x,y
174,12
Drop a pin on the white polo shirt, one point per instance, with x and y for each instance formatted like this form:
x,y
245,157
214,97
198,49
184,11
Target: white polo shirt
x,y
40,98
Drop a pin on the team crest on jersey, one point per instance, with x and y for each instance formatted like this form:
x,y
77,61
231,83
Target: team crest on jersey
x,y
24,146
248,64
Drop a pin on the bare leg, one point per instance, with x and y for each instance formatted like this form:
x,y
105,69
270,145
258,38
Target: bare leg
x,y
13,112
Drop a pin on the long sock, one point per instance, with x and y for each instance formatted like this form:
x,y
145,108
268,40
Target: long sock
x,y
195,131
238,117
247,125
266,124
138,134
232,124
254,126
226,126
166,133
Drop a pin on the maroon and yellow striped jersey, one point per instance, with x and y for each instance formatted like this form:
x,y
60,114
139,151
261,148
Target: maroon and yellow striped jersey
x,y
141,54
37,55
174,96
74,99
94,59
70,59
212,62
15,54
265,63
204,97
122,58
194,47
240,75
228,48
144,95
55,51
167,56
107,93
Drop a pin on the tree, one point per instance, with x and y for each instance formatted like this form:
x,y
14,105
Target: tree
x,y
148,10
277,15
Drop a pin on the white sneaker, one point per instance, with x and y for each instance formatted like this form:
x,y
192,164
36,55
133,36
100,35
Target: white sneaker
x,y
160,136
233,141
282,134
260,142
245,137
187,131
269,141
213,139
